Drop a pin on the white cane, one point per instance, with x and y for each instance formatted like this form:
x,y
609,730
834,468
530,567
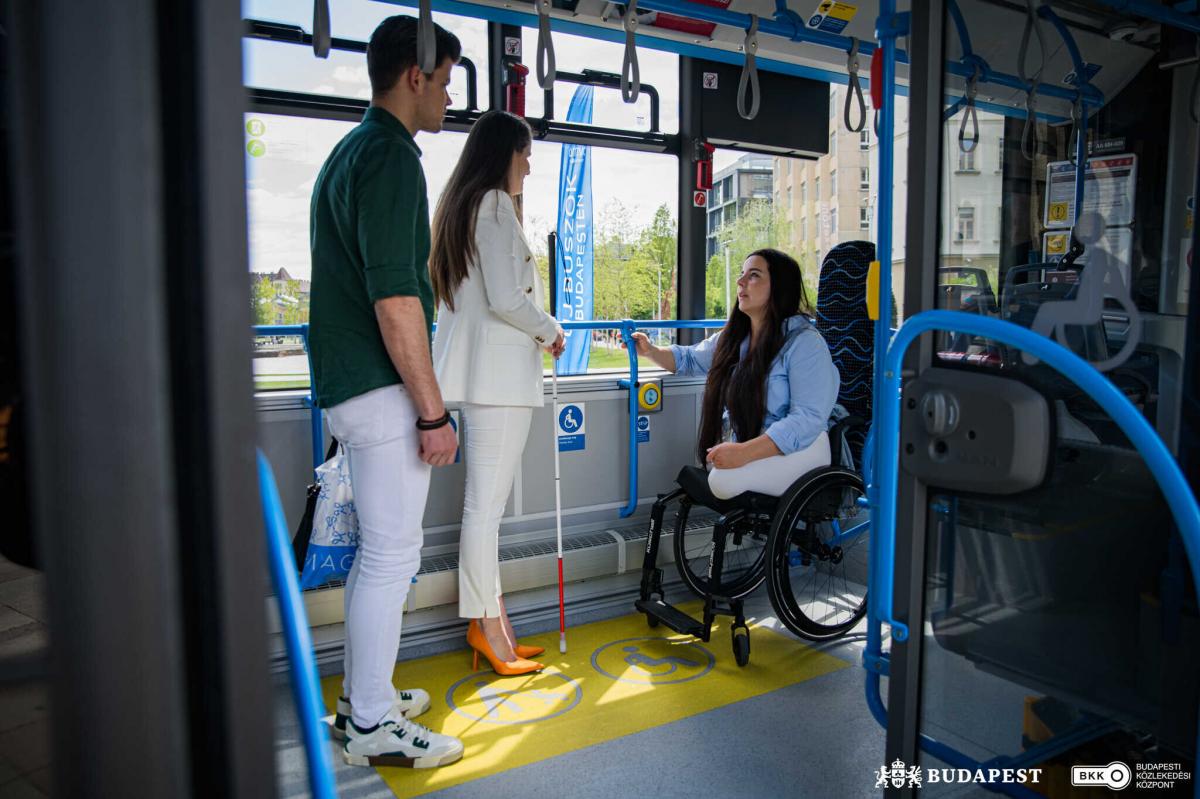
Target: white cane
x,y
562,608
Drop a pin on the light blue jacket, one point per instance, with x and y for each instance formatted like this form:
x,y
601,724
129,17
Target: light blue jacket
x,y
802,385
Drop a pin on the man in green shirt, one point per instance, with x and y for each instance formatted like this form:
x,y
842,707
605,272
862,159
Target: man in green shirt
x,y
369,337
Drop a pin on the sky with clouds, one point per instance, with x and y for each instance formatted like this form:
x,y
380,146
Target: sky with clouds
x,y
291,150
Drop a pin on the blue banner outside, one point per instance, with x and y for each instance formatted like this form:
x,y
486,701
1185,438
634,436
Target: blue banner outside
x,y
573,261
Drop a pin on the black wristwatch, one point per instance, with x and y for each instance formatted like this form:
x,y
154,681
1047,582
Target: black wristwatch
x,y
441,421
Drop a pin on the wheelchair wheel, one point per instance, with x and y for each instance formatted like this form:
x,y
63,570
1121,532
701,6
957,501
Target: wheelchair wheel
x,y
741,645
817,556
743,562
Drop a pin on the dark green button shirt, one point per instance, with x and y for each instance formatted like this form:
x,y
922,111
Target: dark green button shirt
x,y
369,234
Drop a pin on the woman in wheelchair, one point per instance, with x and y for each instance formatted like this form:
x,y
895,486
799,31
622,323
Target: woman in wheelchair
x,y
786,515
771,383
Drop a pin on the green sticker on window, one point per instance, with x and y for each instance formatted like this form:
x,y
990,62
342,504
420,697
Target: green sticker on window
x,y
256,148
256,127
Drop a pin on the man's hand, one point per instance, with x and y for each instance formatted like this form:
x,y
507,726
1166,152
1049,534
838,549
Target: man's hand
x,y
438,447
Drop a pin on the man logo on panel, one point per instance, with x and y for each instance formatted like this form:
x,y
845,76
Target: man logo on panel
x,y
569,419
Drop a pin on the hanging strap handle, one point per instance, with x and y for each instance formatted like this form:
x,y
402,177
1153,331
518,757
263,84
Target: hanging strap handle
x,y
631,76
546,71
749,79
426,40
854,89
1030,139
968,143
322,39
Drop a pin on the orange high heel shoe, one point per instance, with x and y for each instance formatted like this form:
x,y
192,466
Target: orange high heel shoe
x,y
528,652
520,650
479,643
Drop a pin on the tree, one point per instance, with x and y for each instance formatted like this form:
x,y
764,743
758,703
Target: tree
x,y
757,225
293,312
659,244
262,300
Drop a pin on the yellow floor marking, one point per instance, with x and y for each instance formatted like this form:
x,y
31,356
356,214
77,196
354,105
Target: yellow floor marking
x,y
617,678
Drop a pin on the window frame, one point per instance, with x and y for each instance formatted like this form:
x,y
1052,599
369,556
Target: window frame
x,y
346,109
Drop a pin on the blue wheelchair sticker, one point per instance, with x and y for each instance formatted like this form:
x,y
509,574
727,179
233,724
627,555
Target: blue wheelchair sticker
x,y
571,428
643,429
457,438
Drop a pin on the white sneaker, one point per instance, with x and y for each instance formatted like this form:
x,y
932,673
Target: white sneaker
x,y
399,743
410,703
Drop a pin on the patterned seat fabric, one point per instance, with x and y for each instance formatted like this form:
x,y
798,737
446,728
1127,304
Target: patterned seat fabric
x,y
842,320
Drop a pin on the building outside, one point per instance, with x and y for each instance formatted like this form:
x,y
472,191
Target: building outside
x,y
826,200
833,199
749,179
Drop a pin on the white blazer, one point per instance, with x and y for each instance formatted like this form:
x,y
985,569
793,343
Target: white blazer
x,y
488,350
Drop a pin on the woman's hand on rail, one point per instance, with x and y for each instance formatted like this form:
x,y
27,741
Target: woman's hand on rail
x,y
642,341
663,357
729,455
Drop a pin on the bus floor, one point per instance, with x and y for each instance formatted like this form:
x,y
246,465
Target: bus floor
x,y
795,726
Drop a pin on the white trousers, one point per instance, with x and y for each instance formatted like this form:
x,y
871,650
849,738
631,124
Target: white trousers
x,y
495,438
771,476
390,484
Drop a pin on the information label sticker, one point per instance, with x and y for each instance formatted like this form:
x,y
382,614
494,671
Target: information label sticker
x,y
1109,189
571,427
1117,242
643,429
832,17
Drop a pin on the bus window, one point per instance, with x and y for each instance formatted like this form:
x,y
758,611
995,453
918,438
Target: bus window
x,y
576,54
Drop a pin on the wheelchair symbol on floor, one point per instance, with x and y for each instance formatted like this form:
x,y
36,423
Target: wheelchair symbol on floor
x,y
652,661
484,697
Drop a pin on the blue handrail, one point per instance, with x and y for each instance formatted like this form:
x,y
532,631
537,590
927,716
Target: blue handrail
x,y
306,690
1158,458
881,564
626,326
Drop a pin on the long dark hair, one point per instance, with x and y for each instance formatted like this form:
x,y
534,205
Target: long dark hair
x,y
741,387
496,137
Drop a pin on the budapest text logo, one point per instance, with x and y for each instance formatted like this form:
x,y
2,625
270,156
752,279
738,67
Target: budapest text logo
x,y
900,775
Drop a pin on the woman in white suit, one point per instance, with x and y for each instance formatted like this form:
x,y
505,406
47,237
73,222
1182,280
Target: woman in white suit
x,y
487,352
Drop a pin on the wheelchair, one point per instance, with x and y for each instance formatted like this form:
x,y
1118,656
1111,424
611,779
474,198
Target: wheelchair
x,y
810,544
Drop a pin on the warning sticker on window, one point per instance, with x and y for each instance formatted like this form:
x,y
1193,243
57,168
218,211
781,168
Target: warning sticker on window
x,y
832,17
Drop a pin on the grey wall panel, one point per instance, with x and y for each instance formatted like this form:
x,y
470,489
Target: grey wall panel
x,y
596,476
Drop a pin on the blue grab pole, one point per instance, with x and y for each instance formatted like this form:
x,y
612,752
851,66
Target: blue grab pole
x,y
1152,449
1158,458
627,329
627,326
306,689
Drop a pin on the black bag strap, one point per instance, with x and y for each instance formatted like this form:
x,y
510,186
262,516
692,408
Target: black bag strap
x,y
333,445
304,529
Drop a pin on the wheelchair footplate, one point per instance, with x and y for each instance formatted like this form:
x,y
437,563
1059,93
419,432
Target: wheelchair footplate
x,y
653,604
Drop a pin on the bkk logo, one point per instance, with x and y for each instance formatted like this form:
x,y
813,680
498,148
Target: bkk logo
x,y
900,775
